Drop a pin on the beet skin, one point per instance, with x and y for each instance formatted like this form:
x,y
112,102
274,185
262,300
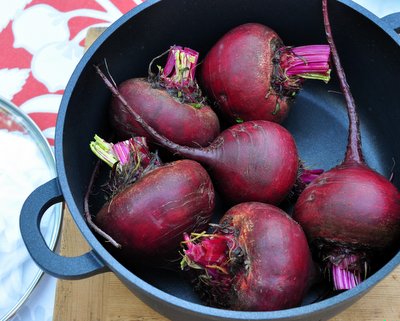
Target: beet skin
x,y
149,217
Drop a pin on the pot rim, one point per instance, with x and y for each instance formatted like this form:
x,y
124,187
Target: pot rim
x,y
348,296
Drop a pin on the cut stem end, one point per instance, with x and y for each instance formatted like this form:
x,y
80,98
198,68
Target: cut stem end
x,y
212,255
347,270
304,62
178,76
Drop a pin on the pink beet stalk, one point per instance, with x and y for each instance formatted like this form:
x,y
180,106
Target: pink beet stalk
x,y
212,254
179,71
123,152
344,277
304,62
308,175
180,67
304,177
129,148
130,159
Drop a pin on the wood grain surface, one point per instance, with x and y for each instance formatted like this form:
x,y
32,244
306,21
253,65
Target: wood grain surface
x,y
104,298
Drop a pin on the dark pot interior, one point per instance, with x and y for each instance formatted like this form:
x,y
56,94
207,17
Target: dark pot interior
x,y
317,120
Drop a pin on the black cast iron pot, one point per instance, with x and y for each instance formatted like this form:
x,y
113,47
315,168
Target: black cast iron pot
x,y
370,53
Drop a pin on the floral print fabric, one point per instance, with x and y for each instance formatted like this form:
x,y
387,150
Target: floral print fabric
x,y
42,41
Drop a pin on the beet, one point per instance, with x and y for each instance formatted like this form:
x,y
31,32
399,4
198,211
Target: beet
x,y
180,122
149,217
252,161
169,101
349,213
251,75
256,259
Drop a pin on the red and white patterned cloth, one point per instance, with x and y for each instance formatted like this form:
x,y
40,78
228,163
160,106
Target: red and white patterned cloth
x,y
41,42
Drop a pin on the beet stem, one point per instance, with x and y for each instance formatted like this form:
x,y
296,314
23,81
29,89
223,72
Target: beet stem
x,y
311,62
343,278
178,76
353,151
211,253
308,175
179,71
104,151
88,216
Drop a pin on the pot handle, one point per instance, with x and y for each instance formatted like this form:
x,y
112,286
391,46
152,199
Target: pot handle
x,y
50,262
393,20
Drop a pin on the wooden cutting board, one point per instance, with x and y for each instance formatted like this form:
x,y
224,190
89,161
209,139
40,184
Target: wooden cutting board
x,y
104,298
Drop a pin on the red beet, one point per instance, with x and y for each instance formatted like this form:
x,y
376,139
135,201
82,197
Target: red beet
x,y
180,122
252,161
251,75
257,258
350,211
172,104
148,218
